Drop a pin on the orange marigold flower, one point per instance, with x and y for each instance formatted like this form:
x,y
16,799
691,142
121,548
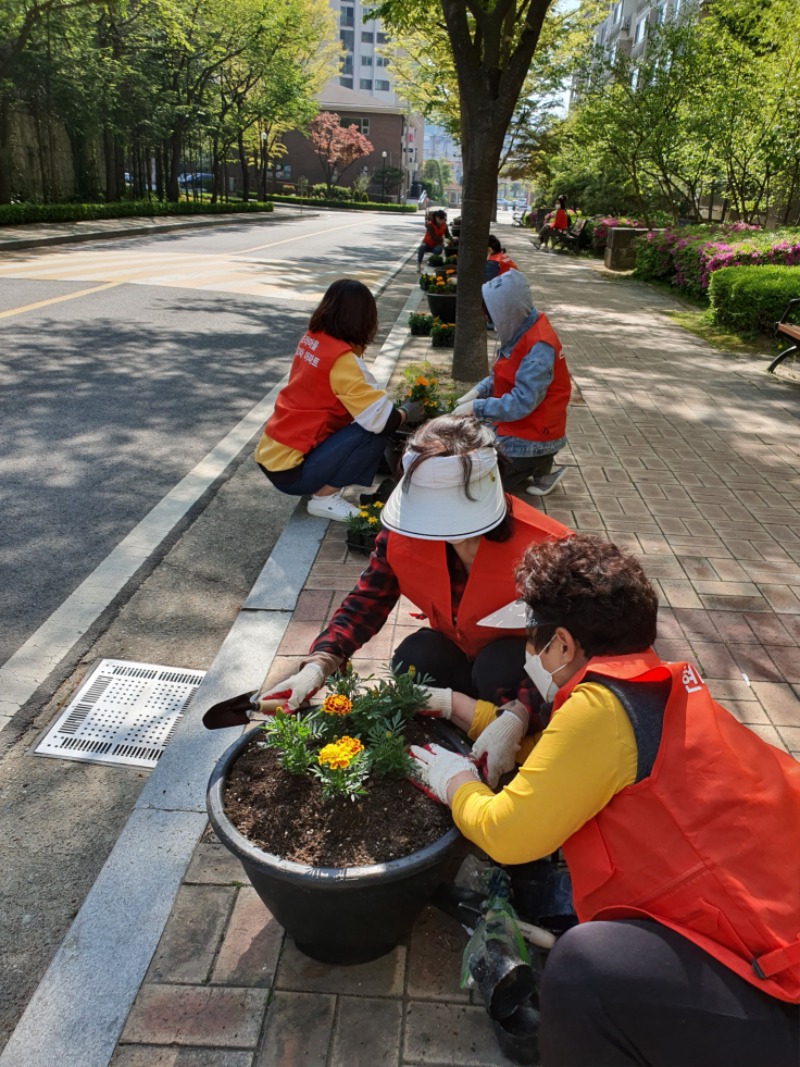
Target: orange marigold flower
x,y
422,381
336,704
350,745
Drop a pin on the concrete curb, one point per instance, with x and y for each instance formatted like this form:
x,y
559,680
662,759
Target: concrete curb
x,y
77,1012
135,231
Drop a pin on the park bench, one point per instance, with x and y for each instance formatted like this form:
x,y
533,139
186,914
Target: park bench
x,y
788,330
569,238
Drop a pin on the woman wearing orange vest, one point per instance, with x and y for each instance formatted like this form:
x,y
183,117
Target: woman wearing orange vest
x,y
497,259
450,542
680,828
526,395
435,232
331,422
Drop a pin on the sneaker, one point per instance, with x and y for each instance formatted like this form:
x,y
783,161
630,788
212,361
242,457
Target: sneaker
x,y
333,507
546,483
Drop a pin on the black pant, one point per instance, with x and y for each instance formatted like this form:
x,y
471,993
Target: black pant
x,y
631,992
494,674
517,471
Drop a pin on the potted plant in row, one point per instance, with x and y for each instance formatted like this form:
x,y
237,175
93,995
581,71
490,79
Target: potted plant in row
x,y
443,334
318,807
420,324
363,528
441,294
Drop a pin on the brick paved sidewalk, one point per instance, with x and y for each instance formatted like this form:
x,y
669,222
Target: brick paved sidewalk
x,y
687,456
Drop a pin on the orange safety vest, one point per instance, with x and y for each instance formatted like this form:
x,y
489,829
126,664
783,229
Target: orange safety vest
x,y
708,844
307,410
434,233
421,571
547,422
503,261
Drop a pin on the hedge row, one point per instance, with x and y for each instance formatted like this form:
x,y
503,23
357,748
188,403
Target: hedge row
x,y
314,201
688,257
752,299
18,214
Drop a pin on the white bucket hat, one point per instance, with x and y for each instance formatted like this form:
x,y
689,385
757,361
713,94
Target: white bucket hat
x,y
435,506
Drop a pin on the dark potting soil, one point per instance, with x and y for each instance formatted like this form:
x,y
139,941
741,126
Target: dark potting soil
x,y
285,814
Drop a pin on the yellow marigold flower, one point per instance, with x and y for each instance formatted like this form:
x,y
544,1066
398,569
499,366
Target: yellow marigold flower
x,y
412,669
372,520
334,756
363,514
378,504
336,704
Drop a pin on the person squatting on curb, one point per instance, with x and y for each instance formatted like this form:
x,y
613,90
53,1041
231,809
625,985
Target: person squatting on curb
x,y
436,231
526,394
332,422
679,826
450,541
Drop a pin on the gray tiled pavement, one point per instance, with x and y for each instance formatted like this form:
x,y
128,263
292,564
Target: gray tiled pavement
x,y
685,455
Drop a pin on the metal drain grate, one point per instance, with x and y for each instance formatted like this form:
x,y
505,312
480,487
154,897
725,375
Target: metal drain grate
x,y
124,713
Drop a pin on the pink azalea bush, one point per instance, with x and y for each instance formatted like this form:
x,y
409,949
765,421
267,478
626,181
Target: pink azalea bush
x,y
687,257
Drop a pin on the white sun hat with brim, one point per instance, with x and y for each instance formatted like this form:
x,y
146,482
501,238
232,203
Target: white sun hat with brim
x,y
435,506
516,616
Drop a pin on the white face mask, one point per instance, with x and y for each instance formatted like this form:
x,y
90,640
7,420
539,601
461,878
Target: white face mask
x,y
539,674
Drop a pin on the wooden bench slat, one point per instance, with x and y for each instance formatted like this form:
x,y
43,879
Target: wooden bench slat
x,y
789,330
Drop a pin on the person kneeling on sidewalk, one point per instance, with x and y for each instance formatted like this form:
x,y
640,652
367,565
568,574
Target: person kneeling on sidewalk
x,y
450,539
331,422
527,392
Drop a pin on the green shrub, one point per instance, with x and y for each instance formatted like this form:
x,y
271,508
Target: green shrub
x,y
279,198
18,214
751,299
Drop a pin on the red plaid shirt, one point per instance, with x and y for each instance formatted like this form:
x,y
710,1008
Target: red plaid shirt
x,y
363,612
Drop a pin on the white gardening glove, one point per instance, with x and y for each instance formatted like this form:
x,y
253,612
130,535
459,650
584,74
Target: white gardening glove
x,y
499,743
436,767
471,395
464,409
292,692
439,704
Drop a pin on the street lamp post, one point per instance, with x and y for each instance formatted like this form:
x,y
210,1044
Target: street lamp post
x,y
383,178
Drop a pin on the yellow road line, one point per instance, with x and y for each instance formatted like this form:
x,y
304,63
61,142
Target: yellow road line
x,y
56,300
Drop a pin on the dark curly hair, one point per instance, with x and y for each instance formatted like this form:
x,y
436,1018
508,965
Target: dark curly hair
x,y
591,588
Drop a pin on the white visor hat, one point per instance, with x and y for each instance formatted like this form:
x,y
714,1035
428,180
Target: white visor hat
x,y
435,506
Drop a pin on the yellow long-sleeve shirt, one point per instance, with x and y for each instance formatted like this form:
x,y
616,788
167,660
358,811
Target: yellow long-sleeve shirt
x,y
586,754
356,388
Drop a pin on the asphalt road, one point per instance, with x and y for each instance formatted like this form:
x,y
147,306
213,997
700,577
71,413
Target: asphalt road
x,y
108,399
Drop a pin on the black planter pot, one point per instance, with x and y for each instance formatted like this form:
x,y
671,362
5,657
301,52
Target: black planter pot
x,y
336,915
360,542
442,306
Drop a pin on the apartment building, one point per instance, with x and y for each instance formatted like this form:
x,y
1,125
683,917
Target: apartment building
x,y
624,30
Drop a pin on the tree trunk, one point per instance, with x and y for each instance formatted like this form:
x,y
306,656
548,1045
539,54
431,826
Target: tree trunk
x,y
5,150
481,152
244,164
173,164
159,157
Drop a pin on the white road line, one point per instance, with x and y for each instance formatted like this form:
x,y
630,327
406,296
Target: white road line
x,y
30,665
